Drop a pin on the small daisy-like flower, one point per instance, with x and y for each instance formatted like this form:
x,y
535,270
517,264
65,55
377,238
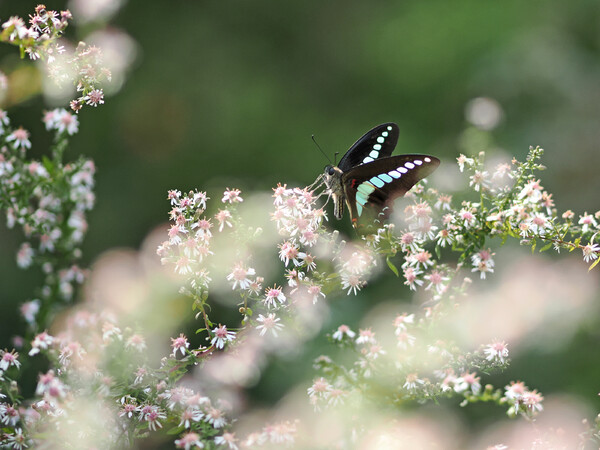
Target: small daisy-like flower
x,y
153,415
412,382
314,290
401,320
420,259
25,255
366,336
128,409
199,200
308,260
215,417
17,26
467,217
17,440
239,276
467,381
351,282
502,170
94,98
227,439
531,192
232,196
29,310
515,390
436,281
20,137
409,242
183,265
448,381
443,202
137,342
343,330
479,180
180,343
411,274
222,336
269,322
224,218
274,295
532,401
67,122
539,223
289,252
69,350
50,118
140,373
444,238
189,441
203,229
587,221
374,351
590,252
41,342
462,160
320,388
483,262
190,415
496,351
9,359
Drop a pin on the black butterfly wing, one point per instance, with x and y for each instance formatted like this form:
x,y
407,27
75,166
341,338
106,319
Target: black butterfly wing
x,y
370,189
375,144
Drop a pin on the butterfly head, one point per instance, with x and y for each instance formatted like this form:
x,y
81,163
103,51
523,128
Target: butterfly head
x,y
333,181
333,176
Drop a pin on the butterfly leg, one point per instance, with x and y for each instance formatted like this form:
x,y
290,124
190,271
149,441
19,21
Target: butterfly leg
x,y
318,182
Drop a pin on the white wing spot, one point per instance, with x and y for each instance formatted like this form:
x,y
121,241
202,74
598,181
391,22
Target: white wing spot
x,y
368,159
380,140
390,128
402,169
377,147
384,134
374,154
395,174
409,165
418,162
385,177
427,159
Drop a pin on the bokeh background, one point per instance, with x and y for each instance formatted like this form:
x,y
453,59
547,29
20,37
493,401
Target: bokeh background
x,y
227,94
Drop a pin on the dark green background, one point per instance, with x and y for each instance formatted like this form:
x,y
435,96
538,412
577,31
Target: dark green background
x,y
227,93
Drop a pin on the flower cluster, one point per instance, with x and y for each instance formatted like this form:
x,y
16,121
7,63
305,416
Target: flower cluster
x,y
39,39
49,200
83,67
102,370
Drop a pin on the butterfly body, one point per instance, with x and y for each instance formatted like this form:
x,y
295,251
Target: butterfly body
x,y
368,179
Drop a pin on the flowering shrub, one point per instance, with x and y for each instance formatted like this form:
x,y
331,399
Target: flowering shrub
x,y
82,67
278,266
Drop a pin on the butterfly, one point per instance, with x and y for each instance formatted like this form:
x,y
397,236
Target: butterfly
x,y
368,179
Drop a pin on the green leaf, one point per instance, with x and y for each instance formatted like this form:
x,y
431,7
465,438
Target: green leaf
x,y
249,312
594,264
534,243
48,164
546,247
392,267
176,430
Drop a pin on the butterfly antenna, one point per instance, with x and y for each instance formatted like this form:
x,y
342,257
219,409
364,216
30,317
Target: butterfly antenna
x,y
335,158
319,147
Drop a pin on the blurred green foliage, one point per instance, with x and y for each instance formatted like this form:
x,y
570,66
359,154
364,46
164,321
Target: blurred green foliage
x,y
228,94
